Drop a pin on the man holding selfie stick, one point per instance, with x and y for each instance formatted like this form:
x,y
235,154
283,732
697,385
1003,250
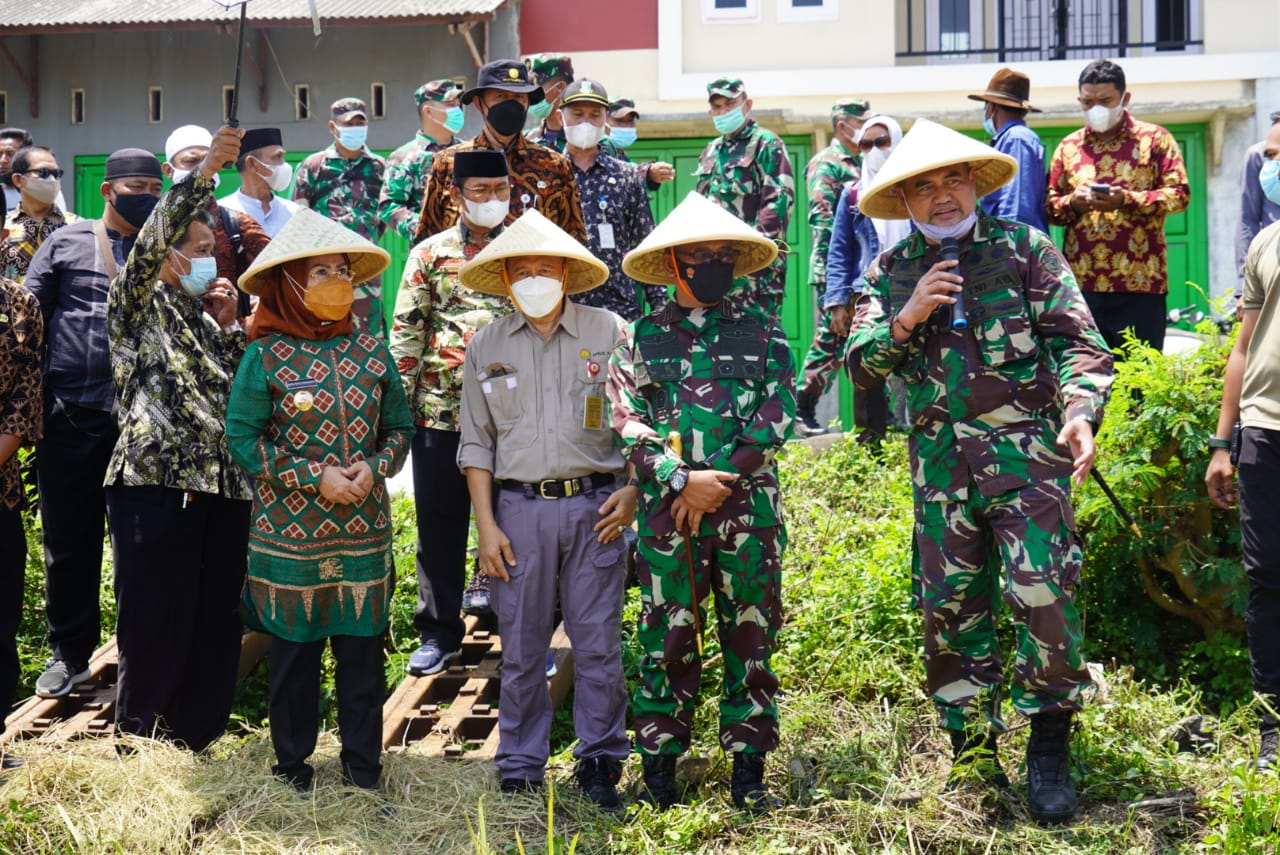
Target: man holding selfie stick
x,y
1111,185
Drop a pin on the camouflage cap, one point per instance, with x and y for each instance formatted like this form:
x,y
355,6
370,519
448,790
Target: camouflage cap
x,y
544,66
856,107
345,108
728,87
444,89
620,108
587,90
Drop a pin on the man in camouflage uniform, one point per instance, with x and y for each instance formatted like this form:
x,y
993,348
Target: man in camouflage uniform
x,y
623,118
408,166
1003,412
826,175
718,375
343,183
747,172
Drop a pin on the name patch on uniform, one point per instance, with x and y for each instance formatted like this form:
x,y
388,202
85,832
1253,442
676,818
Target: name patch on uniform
x,y
593,413
303,383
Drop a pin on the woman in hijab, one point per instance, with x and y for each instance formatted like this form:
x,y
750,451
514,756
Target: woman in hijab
x,y
318,417
856,240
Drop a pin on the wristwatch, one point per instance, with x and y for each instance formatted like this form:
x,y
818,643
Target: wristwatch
x,y
678,480
1214,443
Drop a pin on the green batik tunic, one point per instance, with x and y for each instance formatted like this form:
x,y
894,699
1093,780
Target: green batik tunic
x,y
318,569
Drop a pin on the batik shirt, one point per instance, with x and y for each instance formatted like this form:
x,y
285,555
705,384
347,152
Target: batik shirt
x,y
172,366
615,207
826,175
436,317
26,233
540,178
21,343
986,403
1122,251
407,168
346,191
722,378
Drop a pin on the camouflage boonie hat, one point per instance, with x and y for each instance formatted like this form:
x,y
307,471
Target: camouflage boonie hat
x,y
587,90
544,66
443,89
728,87
856,107
345,108
620,108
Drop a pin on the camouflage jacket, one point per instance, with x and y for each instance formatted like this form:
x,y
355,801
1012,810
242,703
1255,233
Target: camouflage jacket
x,y
722,377
749,175
826,175
345,191
407,168
172,366
986,403
436,316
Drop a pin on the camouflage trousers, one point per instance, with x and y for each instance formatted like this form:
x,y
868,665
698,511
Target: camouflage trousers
x,y
1019,547
823,359
742,573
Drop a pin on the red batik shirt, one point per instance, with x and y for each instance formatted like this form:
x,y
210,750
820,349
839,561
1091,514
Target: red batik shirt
x,y
1121,251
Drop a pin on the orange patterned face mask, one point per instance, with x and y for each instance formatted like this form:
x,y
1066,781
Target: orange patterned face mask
x,y
329,300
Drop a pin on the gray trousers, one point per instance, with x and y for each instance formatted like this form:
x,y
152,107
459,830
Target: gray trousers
x,y
556,551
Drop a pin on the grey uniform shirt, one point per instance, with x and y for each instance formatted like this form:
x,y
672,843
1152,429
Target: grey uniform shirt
x,y
529,406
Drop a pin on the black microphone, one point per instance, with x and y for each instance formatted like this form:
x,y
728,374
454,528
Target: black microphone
x,y
950,248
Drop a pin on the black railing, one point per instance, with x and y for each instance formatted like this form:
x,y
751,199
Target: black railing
x,y
1032,30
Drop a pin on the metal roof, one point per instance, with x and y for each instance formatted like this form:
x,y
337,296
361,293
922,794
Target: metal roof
x,y
53,16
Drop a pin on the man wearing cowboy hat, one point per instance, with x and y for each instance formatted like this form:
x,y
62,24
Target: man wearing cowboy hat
x,y
1006,379
718,377
535,426
540,177
1004,120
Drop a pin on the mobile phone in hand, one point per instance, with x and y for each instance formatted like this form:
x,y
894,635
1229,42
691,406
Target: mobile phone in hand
x,y
1103,189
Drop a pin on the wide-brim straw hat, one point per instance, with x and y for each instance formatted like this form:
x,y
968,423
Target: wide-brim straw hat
x,y
309,234
695,220
928,146
533,234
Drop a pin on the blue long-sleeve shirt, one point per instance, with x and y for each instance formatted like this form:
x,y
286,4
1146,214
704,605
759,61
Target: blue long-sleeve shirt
x,y
853,246
1022,199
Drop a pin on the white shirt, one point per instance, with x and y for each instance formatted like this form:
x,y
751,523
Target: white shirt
x,y
271,220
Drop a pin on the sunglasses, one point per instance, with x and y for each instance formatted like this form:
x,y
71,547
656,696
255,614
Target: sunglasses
x,y
44,173
880,142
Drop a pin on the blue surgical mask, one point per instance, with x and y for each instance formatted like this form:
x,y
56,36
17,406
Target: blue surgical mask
x,y
353,136
453,119
989,125
1269,178
622,137
727,123
204,269
541,110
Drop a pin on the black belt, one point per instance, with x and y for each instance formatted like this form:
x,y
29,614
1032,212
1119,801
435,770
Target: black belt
x,y
555,489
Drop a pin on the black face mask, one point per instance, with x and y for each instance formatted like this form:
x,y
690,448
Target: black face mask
x,y
135,208
709,281
506,117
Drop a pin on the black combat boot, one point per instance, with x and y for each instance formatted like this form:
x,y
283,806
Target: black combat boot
x,y
1270,732
598,779
659,780
1051,794
976,753
806,422
747,784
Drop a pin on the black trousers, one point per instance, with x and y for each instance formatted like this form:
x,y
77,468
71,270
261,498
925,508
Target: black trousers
x,y
13,566
179,573
1114,313
71,463
294,706
1259,474
443,508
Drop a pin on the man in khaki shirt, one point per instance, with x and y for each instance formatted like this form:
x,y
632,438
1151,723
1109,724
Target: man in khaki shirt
x,y
536,426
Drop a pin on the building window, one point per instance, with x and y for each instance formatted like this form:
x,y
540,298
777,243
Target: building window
x,y
302,102
735,11
155,105
77,107
377,101
953,25
4,107
803,11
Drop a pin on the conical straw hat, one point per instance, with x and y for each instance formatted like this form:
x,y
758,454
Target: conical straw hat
x,y
695,220
533,234
308,234
928,146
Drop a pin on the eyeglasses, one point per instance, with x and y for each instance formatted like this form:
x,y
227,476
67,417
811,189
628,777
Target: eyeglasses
x,y
484,194
43,172
702,256
879,142
321,274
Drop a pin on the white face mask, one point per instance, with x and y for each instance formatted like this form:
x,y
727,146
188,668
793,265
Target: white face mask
x,y
486,215
956,230
874,159
180,175
537,296
583,134
1101,119
43,190
279,177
